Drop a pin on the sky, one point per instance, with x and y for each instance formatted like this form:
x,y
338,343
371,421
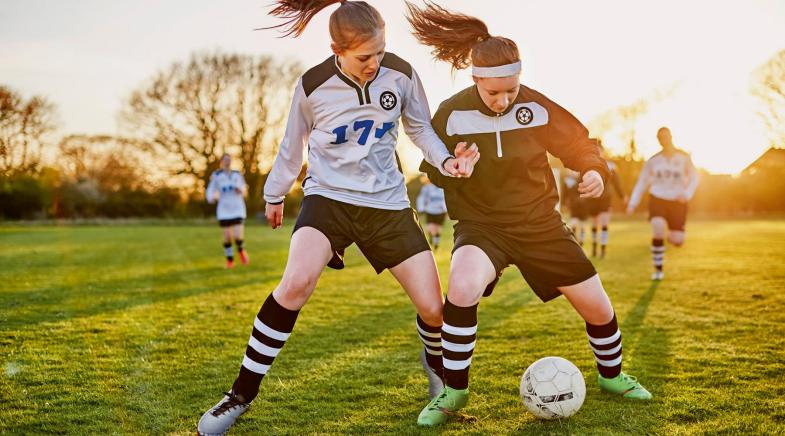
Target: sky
x,y
87,56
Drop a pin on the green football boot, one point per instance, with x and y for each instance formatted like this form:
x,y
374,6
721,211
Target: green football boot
x,y
625,385
442,406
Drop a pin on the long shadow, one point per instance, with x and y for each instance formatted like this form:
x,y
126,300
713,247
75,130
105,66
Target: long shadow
x,y
635,316
375,377
52,303
309,340
307,361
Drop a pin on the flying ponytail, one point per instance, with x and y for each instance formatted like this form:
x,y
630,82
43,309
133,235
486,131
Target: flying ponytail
x,y
459,39
351,24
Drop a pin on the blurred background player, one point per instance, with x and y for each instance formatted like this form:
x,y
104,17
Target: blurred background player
x,y
575,204
599,209
430,201
227,187
671,180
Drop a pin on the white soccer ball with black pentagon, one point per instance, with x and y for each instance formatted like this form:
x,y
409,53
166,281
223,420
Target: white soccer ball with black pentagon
x,y
552,388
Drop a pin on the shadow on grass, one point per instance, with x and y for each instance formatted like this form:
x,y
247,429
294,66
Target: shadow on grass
x,y
59,303
344,401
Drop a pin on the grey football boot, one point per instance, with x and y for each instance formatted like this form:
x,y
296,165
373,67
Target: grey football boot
x,y
218,420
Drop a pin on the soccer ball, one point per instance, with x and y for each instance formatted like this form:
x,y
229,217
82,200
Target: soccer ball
x,y
552,388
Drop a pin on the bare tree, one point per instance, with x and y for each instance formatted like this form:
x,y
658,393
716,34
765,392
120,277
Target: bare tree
x,y
24,129
106,160
191,113
768,84
624,119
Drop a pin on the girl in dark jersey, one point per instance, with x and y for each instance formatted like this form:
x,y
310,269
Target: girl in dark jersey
x,y
506,210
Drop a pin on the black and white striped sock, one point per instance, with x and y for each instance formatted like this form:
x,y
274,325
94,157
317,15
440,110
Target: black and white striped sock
x,y
436,239
239,244
459,334
658,253
603,239
431,338
228,251
605,342
271,328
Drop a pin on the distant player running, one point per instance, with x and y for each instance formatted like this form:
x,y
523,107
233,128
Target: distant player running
x,y
506,211
430,201
346,112
671,180
600,208
228,187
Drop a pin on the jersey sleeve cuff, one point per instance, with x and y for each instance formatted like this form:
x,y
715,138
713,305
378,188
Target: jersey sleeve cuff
x,y
441,166
273,199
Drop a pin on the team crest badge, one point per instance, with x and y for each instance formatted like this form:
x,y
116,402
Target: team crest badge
x,y
524,115
388,100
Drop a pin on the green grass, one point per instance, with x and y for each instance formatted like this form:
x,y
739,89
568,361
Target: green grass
x,y
138,329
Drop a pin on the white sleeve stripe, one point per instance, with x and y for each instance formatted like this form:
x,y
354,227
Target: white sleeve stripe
x,y
458,348
269,332
263,349
255,367
605,341
457,365
459,331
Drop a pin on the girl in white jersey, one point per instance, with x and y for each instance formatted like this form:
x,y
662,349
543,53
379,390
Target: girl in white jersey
x,y
345,112
430,201
228,187
671,180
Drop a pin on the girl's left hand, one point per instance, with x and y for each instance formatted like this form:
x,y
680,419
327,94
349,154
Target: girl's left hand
x,y
591,185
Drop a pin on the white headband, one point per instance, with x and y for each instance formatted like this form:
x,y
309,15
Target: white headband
x,y
498,71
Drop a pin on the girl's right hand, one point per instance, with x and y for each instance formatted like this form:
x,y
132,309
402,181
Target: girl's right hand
x,y
274,214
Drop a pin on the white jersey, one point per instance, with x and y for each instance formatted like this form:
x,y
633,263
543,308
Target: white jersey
x,y
351,132
224,187
666,177
431,200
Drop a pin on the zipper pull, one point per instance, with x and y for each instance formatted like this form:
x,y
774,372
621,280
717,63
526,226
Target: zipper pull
x,y
498,135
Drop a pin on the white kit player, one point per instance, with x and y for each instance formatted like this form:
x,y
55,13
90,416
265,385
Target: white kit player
x,y
430,201
228,188
671,179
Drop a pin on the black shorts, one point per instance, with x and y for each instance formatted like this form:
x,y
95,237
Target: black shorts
x,y
385,237
230,222
547,260
579,209
599,205
674,212
437,218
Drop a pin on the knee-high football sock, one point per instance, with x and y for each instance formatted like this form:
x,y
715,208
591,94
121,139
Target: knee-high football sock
x,y
271,328
605,342
431,337
228,251
658,253
459,333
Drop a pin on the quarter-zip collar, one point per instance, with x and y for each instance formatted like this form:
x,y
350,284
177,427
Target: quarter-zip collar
x,y
363,92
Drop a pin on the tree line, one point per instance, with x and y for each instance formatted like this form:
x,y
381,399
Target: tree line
x,y
176,125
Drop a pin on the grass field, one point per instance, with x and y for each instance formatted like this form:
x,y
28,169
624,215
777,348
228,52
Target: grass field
x,y
138,329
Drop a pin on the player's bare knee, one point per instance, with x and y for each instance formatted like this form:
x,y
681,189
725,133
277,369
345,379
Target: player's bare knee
x,y
296,288
465,292
432,314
